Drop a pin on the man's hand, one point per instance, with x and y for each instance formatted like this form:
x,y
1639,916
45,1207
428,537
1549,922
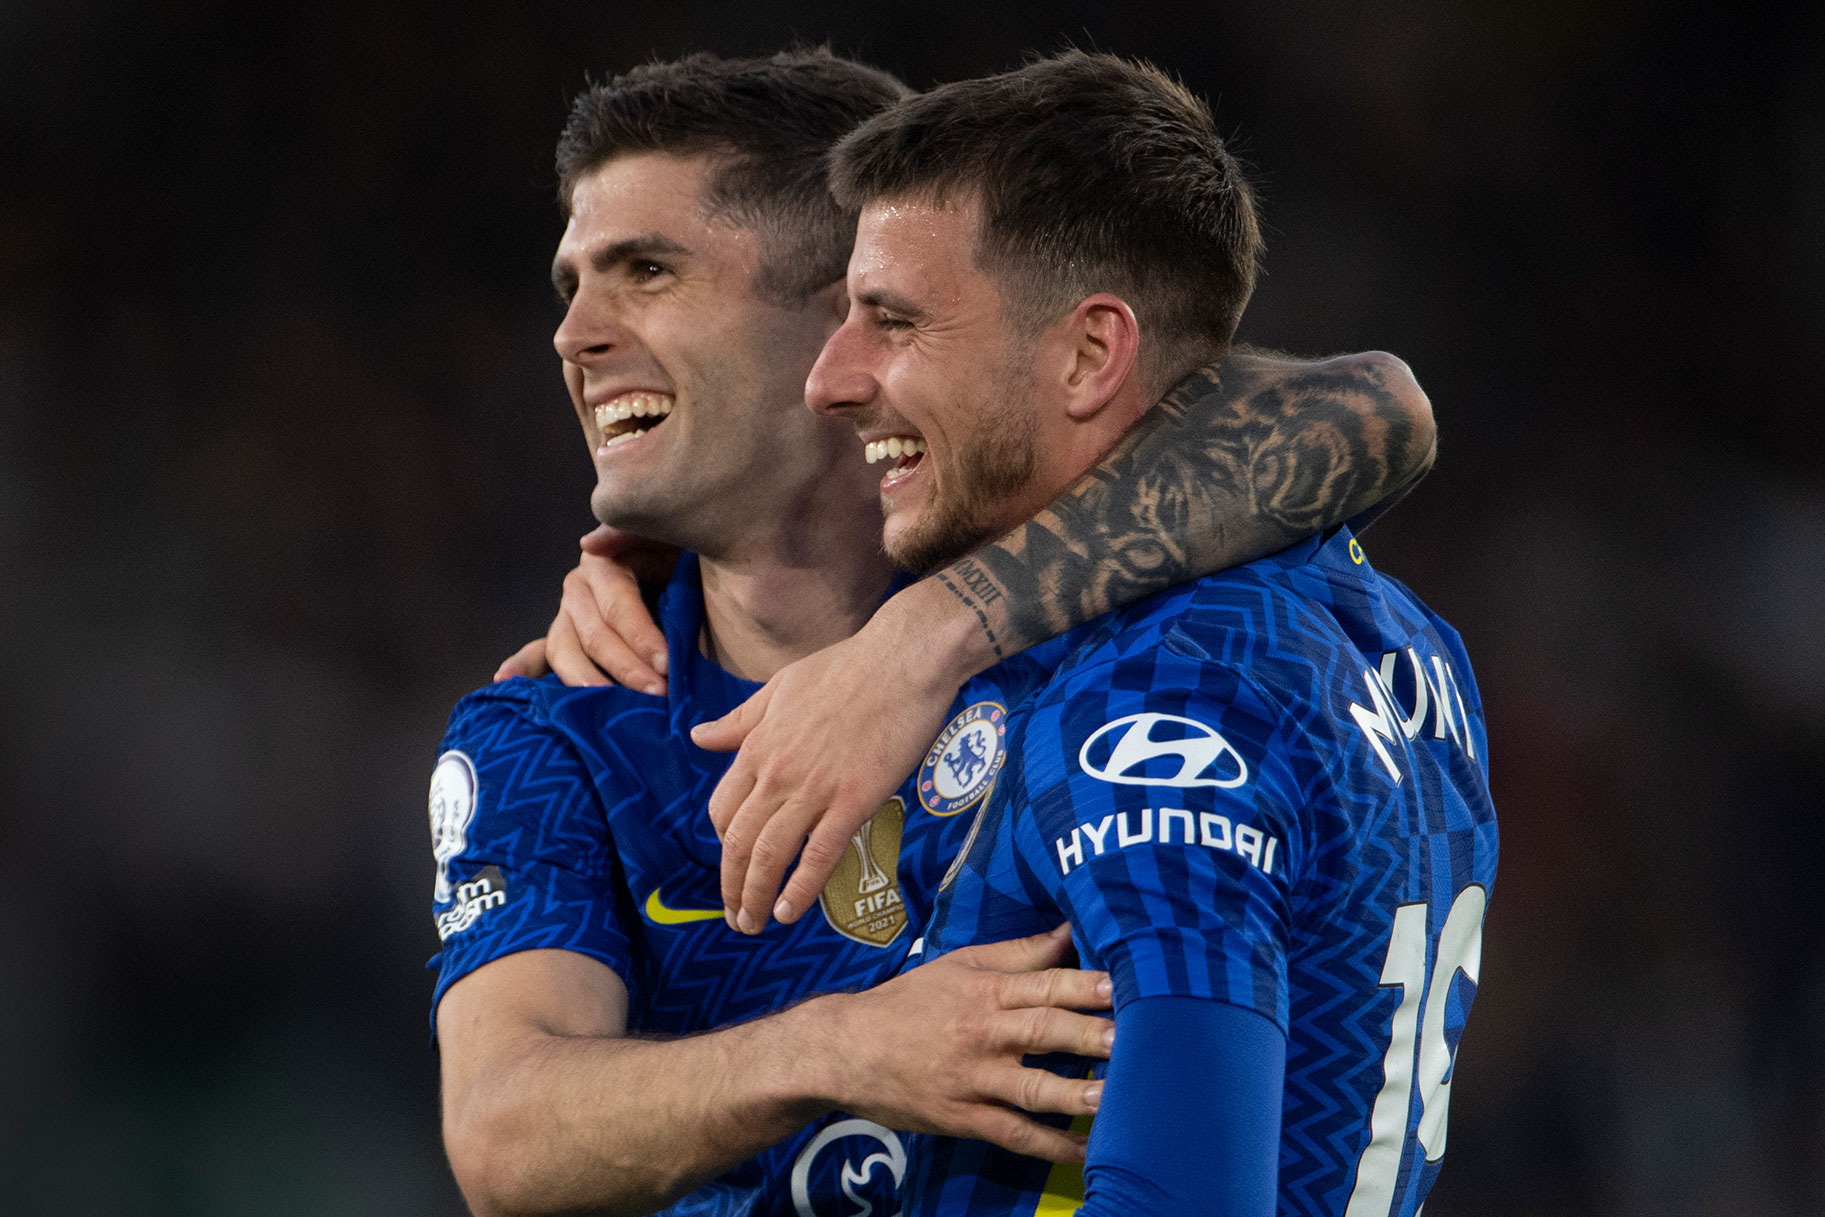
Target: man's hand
x,y
938,1049
877,699
603,633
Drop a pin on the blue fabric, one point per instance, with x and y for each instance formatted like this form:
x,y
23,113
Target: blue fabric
x,y
1267,788
587,817
1190,1118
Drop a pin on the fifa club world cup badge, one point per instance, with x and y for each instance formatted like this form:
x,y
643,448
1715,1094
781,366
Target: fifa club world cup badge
x,y
862,901
962,765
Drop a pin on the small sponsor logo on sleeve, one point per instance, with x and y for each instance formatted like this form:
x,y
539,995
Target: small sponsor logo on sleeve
x,y
487,890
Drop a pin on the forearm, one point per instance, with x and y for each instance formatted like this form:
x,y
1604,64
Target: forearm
x,y
613,1125
1238,461
1190,1120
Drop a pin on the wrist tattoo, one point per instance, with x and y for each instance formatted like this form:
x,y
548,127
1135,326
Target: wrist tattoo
x,y
981,585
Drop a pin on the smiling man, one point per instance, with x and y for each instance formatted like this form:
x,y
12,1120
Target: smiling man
x,y
1260,798
600,1026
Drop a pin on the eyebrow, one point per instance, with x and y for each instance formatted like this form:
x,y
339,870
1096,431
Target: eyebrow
x,y
892,301
646,245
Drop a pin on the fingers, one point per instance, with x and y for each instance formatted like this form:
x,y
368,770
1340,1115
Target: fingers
x,y
595,606
651,562
761,837
605,542
727,733
1018,1133
528,661
1042,1029
620,607
564,651
823,850
1043,1092
730,793
1066,988
1047,950
780,839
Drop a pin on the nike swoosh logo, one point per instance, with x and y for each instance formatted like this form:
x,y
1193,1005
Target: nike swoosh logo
x,y
659,914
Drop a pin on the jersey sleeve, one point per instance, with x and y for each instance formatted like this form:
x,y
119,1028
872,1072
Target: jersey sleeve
x,y
1163,819
520,843
1190,1117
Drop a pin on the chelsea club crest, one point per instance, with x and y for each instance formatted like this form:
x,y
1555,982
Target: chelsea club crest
x,y
962,765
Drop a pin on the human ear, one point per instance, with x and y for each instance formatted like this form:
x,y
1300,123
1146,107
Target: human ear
x,y
1105,344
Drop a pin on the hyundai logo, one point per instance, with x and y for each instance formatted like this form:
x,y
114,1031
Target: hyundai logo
x,y
1195,747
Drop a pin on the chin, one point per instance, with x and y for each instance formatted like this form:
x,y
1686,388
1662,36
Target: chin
x,y
921,547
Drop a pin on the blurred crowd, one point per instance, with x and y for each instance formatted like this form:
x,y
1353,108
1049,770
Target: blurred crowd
x,y
286,467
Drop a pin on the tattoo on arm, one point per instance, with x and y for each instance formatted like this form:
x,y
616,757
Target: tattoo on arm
x,y
973,577
1242,458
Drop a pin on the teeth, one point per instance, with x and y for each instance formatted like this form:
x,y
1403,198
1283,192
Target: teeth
x,y
638,404
893,447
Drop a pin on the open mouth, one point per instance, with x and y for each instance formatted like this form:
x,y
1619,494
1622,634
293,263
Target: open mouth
x,y
622,418
905,451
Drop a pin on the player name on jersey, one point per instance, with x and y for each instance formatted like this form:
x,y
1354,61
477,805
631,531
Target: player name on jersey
x,y
1433,688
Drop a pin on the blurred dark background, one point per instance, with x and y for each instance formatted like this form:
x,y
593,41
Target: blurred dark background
x,y
286,467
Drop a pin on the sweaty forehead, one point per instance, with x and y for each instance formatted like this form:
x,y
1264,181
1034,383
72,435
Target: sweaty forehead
x,y
917,248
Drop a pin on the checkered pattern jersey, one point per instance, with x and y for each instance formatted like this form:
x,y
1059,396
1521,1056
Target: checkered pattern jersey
x,y
590,806
1301,827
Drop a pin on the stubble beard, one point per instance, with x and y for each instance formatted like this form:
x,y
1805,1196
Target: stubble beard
x,y
996,462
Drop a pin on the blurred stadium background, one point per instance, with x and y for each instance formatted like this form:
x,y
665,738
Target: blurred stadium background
x,y
286,467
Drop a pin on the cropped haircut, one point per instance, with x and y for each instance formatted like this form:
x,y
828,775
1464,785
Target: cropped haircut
x,y
1094,174
769,124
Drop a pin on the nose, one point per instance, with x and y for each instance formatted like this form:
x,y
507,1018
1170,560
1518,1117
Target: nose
x,y
840,378
587,331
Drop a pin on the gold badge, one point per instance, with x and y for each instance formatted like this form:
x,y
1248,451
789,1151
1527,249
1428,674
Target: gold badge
x,y
862,901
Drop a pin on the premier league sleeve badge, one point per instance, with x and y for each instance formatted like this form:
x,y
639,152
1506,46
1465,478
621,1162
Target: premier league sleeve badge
x,y
962,764
453,798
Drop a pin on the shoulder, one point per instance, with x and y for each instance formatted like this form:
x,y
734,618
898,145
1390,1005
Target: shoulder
x,y
1205,686
543,706
522,738
1220,636
1157,717
517,701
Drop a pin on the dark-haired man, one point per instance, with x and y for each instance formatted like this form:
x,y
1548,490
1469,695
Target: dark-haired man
x,y
584,946
1260,798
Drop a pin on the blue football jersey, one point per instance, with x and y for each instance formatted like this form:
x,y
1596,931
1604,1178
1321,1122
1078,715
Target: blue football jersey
x,y
576,819
1266,788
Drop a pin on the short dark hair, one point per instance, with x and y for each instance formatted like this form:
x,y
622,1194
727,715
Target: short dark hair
x,y
1094,174
771,121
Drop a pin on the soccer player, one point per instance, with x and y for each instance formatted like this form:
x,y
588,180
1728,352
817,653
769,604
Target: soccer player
x,y
585,953
1260,798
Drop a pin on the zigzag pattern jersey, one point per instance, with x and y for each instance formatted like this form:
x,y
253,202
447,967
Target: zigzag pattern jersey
x,y
1266,788
575,819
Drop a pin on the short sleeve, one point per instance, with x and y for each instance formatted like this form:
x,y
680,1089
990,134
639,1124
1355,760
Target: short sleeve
x,y
1165,822
520,844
